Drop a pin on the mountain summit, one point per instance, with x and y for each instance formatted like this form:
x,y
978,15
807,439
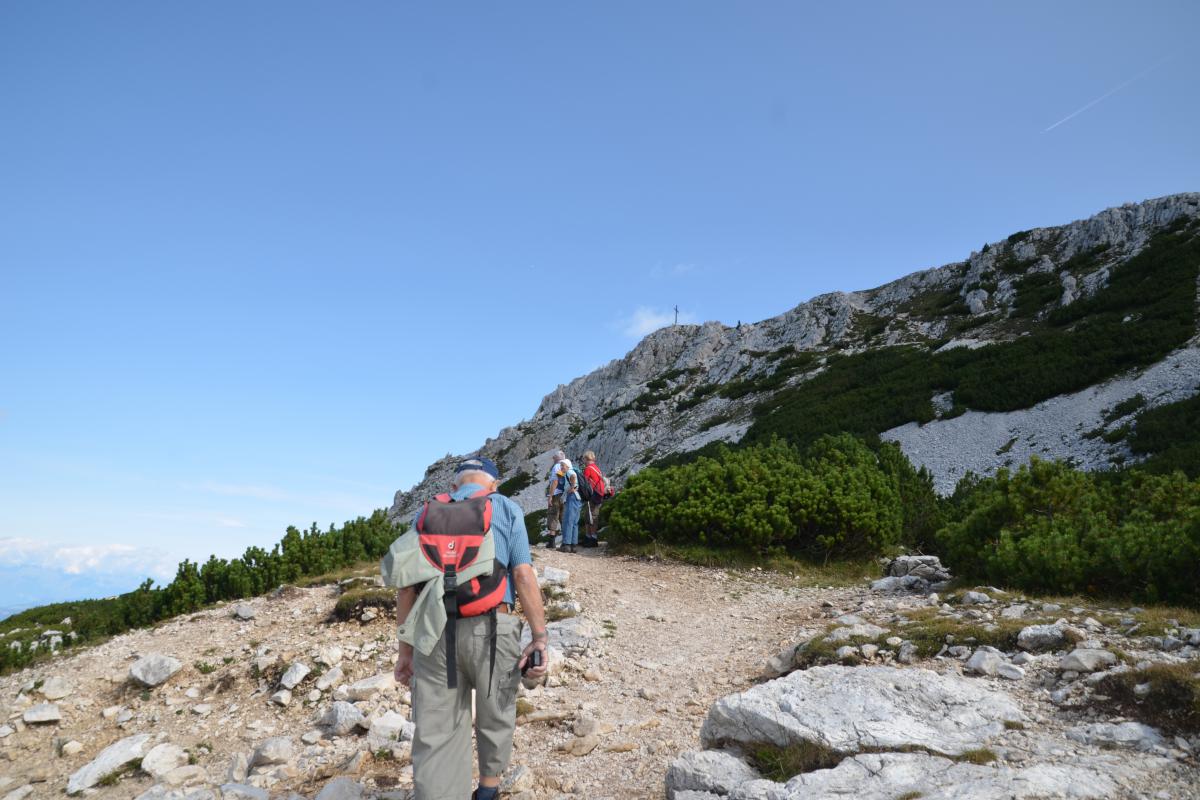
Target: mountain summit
x,y
1045,343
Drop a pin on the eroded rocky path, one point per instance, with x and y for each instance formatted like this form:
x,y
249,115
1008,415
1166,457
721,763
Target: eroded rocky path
x,y
271,700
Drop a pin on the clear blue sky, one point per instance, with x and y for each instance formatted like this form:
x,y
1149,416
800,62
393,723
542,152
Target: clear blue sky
x,y
260,263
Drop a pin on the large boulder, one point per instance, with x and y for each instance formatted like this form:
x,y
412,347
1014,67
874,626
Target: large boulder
x,y
851,709
110,760
154,669
928,568
276,750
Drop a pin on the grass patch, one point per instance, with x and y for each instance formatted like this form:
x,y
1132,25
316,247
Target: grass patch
x,y
781,764
1172,703
556,612
114,777
524,707
980,755
204,668
1124,408
351,604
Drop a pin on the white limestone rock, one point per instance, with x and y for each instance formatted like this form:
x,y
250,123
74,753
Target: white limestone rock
x,y
276,750
985,661
1087,660
859,631
341,789
294,675
389,728
367,688
154,669
928,568
713,771
243,611
553,576
111,759
850,709
1036,638
162,759
241,791
330,679
56,688
42,714
342,718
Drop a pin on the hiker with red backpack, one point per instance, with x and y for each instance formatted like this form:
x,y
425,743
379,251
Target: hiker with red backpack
x,y
456,571
598,490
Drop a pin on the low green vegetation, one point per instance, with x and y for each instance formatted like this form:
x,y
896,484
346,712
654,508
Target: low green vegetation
x,y
1169,436
1146,310
1049,528
836,498
516,483
298,555
1035,292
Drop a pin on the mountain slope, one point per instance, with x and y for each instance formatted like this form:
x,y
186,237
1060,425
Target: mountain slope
x,y
1046,313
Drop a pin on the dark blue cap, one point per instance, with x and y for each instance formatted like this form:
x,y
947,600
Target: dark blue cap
x,y
478,465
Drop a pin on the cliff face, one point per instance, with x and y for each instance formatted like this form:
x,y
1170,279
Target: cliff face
x,y
661,399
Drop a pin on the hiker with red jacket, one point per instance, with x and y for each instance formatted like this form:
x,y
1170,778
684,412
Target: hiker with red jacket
x,y
600,491
456,572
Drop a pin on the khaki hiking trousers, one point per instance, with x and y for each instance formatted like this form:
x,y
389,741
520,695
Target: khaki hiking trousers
x,y
441,750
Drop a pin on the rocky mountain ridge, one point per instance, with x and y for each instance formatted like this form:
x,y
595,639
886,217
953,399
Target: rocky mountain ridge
x,y
671,393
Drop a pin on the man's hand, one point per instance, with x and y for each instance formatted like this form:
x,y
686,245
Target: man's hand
x,y
404,664
540,670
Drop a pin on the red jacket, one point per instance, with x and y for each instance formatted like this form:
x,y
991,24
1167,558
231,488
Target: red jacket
x,y
595,479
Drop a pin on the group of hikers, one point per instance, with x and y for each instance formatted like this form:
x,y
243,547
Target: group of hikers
x,y
458,573
568,491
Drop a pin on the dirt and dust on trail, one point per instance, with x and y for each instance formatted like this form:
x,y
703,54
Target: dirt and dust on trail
x,y
667,640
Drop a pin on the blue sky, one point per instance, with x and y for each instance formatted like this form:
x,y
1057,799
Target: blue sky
x,y
260,263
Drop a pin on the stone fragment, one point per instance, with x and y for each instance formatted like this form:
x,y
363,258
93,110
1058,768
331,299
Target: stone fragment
x,y
72,748
311,737
369,614
1087,660
341,789
389,728
41,714
1041,637
154,669
1015,611
985,661
282,698
56,688
908,583
243,611
907,653
162,759
239,768
851,709
571,637
276,750
187,774
202,709
859,631
329,679
294,675
976,599
367,688
110,760
846,652
580,745
1010,671
553,576
330,655
927,567
342,718
241,791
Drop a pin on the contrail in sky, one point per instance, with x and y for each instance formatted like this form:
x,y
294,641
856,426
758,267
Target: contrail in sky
x,y
1111,92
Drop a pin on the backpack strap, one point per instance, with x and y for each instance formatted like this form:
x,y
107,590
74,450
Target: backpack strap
x,y
450,600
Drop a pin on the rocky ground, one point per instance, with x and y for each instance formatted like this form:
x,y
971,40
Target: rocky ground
x,y
658,685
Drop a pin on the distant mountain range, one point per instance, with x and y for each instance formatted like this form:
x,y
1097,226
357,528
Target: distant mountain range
x,y
1049,343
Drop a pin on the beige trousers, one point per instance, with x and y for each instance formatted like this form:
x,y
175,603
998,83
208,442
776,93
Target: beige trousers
x,y
442,740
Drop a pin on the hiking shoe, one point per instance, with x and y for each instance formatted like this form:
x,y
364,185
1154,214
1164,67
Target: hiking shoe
x,y
562,548
572,548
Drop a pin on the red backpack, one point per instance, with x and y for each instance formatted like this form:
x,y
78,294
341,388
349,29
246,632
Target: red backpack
x,y
451,533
